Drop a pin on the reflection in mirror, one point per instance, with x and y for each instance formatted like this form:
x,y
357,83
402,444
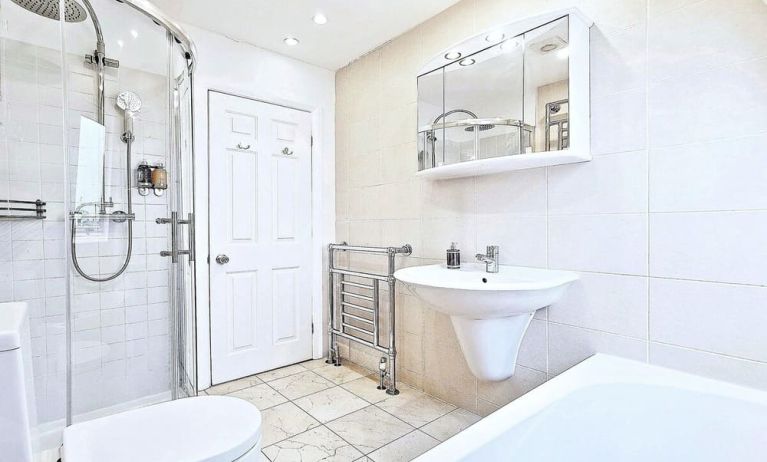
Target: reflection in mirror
x,y
547,85
484,104
506,99
430,108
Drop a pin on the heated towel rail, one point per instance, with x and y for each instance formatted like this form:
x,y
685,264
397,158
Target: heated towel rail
x,y
354,310
22,210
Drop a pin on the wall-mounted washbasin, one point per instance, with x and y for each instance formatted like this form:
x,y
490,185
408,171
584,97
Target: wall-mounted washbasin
x,y
489,311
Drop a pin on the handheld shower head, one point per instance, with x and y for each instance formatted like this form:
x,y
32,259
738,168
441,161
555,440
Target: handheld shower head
x,y
73,11
130,103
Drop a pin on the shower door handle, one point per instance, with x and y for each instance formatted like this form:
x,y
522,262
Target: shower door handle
x,y
173,221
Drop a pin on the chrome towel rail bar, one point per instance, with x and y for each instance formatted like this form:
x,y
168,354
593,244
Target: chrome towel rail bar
x,y
13,206
344,312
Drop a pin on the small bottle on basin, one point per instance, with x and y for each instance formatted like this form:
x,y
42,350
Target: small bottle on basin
x,y
453,256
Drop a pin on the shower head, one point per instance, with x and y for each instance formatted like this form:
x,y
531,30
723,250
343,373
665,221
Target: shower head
x,y
482,127
73,11
129,102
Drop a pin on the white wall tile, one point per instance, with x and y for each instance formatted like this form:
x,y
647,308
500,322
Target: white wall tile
x,y
614,183
740,371
710,246
619,122
686,41
614,243
570,345
522,239
720,318
722,103
607,302
718,175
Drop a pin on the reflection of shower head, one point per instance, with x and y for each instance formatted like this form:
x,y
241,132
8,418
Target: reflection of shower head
x,y
470,128
131,104
73,11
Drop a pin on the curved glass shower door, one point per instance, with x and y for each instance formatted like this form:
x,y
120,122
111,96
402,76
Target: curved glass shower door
x,y
129,216
96,204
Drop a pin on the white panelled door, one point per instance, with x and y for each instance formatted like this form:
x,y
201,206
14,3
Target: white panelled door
x,y
260,236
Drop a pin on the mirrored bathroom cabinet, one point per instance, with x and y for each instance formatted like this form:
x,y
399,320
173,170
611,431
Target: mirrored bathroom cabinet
x,y
511,98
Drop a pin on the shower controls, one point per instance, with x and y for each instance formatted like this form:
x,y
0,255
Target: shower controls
x,y
244,148
287,151
222,259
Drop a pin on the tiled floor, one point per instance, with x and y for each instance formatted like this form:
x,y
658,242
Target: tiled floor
x,y
318,412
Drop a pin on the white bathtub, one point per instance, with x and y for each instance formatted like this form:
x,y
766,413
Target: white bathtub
x,y
612,409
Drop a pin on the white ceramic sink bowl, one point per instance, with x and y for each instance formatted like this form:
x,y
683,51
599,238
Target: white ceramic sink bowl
x,y
490,312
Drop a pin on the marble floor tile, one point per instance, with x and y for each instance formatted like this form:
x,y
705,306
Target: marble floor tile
x,y
370,428
365,388
415,407
338,374
314,363
404,449
262,396
331,404
234,385
284,421
301,384
317,444
450,424
281,372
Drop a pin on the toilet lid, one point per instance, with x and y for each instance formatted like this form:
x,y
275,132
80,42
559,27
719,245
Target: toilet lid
x,y
201,429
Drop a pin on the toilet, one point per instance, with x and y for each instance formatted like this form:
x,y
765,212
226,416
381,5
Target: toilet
x,y
206,428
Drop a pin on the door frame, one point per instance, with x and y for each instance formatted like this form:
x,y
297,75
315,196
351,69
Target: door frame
x,y
323,229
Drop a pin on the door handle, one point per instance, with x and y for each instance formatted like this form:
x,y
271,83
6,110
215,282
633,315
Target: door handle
x,y
222,259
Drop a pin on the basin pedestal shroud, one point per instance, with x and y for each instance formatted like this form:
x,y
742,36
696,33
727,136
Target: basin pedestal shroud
x,y
501,337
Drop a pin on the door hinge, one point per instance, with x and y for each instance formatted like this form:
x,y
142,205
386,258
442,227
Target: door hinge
x,y
312,328
311,141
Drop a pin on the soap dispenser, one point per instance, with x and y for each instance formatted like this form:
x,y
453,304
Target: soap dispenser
x,y
453,256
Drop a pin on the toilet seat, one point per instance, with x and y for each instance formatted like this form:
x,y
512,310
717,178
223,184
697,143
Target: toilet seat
x,y
200,429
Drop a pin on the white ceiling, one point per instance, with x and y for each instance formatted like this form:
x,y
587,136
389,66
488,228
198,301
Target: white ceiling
x,y
354,27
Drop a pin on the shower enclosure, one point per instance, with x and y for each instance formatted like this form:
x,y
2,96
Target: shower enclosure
x,y
96,202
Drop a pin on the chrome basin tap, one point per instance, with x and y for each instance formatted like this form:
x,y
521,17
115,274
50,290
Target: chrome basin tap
x,y
490,258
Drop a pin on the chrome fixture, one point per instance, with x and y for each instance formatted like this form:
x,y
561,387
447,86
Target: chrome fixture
x,y
130,103
73,11
490,258
559,120
382,373
222,259
287,151
17,210
356,316
174,251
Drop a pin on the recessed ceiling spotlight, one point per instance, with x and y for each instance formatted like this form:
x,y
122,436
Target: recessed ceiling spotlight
x,y
120,43
467,62
452,55
494,37
320,18
290,41
134,33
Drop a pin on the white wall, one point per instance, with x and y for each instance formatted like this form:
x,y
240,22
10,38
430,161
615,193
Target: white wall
x,y
666,226
241,69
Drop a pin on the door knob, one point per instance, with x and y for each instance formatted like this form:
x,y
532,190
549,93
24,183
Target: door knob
x,y
222,259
